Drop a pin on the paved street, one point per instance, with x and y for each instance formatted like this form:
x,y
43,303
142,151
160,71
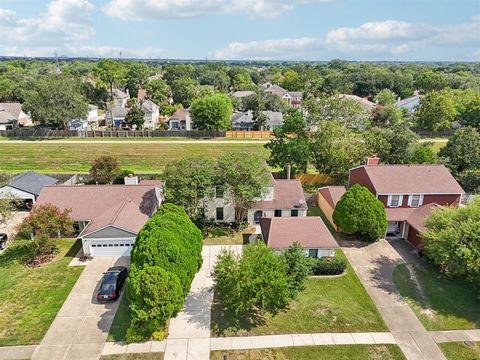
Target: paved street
x,y
81,327
374,265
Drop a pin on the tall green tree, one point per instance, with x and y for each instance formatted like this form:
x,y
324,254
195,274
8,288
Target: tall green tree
x,y
299,267
57,99
212,112
184,91
437,111
188,182
463,150
360,212
386,97
158,91
135,117
245,178
136,76
104,169
291,144
110,72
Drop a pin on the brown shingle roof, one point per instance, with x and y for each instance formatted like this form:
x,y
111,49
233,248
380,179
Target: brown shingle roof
x,y
419,215
416,179
180,115
309,231
287,194
125,206
332,194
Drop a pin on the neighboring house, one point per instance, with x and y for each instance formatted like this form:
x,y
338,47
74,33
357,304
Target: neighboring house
x,y
243,121
90,122
410,103
327,199
152,114
107,218
180,120
11,116
120,98
115,117
409,193
283,198
292,98
242,94
309,231
366,104
26,187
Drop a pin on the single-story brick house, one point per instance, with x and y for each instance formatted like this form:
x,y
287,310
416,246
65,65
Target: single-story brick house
x,y
107,218
309,231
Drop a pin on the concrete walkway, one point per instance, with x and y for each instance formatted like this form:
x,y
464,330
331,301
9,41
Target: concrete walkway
x,y
189,332
81,327
374,265
455,335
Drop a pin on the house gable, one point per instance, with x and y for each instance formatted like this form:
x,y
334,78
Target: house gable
x,y
110,232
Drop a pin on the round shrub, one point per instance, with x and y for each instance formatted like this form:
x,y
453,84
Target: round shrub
x,y
328,266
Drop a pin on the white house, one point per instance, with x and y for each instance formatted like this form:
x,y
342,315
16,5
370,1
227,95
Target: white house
x,y
90,122
283,198
292,98
180,120
152,114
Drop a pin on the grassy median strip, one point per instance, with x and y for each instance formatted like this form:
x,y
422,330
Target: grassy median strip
x,y
138,157
440,303
337,352
460,351
31,297
338,304
121,321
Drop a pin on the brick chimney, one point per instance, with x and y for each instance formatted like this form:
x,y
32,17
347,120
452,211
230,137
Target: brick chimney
x,y
372,160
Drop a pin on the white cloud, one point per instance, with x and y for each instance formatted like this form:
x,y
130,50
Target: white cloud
x,y
64,22
372,40
178,9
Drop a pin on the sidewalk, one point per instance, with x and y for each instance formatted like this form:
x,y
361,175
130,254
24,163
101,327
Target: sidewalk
x,y
374,265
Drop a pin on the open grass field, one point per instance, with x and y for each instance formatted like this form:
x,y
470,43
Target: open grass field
x,y
139,157
460,351
441,303
337,352
338,304
31,297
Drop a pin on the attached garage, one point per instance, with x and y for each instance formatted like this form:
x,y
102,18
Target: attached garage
x,y
110,247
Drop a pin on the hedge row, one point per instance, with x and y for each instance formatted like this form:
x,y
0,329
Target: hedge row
x,y
329,266
165,258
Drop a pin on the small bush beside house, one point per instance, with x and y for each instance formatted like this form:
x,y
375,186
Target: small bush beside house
x,y
166,256
328,266
359,212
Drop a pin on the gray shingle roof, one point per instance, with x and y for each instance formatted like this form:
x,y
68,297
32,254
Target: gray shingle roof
x,y
274,118
9,112
32,182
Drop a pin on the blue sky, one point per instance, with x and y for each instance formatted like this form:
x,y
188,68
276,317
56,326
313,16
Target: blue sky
x,y
244,29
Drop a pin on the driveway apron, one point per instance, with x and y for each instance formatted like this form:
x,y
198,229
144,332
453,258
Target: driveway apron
x,y
81,327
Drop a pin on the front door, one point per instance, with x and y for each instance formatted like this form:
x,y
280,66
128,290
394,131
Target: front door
x,y
256,216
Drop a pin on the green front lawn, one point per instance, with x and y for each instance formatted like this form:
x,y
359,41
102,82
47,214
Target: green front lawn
x,y
142,356
148,157
31,297
338,304
224,235
442,303
121,321
460,351
337,352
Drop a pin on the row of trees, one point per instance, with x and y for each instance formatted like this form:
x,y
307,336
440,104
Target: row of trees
x,y
165,258
188,182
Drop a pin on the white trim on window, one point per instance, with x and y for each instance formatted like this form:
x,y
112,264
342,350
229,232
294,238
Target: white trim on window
x,y
390,198
420,200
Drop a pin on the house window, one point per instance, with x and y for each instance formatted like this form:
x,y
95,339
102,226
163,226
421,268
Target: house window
x,y
278,213
294,213
312,253
219,215
415,200
219,192
394,200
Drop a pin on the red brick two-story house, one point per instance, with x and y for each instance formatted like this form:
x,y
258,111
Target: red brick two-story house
x,y
409,193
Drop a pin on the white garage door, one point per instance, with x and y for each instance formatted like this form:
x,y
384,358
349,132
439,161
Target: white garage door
x,y
111,247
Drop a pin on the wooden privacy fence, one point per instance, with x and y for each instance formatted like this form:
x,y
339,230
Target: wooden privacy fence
x,y
314,178
249,134
38,132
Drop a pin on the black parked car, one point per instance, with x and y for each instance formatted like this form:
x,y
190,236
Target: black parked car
x,y
3,241
112,283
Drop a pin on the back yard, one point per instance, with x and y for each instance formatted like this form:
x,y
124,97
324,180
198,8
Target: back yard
x,y
439,302
31,297
335,304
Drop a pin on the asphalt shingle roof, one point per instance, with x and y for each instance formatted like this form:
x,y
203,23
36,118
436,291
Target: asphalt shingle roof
x,y
32,182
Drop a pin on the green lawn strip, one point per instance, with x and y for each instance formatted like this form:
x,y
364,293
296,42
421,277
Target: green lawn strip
x,y
31,297
121,321
326,305
444,304
222,235
337,352
437,146
339,236
460,351
141,356
138,157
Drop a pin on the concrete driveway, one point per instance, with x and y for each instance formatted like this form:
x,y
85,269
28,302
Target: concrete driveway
x,y
11,226
81,327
